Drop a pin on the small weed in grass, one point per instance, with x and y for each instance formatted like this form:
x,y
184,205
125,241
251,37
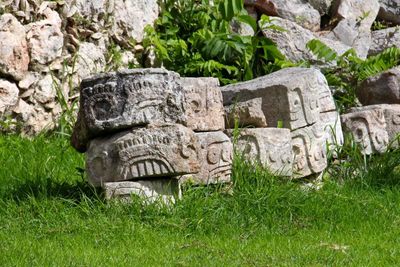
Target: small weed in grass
x,y
50,216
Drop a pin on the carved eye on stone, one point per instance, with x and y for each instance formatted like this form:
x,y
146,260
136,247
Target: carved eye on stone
x,y
196,105
380,138
188,151
273,157
226,154
396,119
213,154
359,134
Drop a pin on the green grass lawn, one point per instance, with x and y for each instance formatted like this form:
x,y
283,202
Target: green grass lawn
x,y
49,216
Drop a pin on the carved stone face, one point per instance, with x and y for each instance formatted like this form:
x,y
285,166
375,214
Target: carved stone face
x,y
165,151
304,108
250,148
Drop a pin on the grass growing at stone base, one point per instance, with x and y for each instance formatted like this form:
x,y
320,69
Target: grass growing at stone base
x,y
49,216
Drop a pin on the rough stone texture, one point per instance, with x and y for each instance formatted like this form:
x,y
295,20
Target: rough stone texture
x,y
270,147
292,42
130,17
368,127
154,151
355,21
44,90
300,12
8,96
266,7
383,39
330,122
383,88
390,11
90,60
309,150
114,101
204,108
290,95
321,5
246,113
326,100
88,9
14,56
215,157
45,40
164,190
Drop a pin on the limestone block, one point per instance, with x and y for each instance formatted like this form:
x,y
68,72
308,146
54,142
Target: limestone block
x,y
271,147
14,55
164,190
290,96
154,151
368,127
8,96
216,152
90,60
383,39
114,101
383,88
309,150
321,5
204,108
246,113
332,127
389,11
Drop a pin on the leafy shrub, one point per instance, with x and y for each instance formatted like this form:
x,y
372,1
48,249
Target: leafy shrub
x,y
348,70
195,38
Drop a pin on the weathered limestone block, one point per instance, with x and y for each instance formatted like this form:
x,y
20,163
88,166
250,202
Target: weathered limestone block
x,y
309,150
164,190
383,39
137,97
14,56
356,18
383,88
45,40
154,151
299,12
215,159
271,147
204,108
290,96
321,5
293,40
90,60
246,113
330,122
368,127
8,96
389,11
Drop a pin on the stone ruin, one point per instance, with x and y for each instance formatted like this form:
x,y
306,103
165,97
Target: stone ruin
x,y
148,131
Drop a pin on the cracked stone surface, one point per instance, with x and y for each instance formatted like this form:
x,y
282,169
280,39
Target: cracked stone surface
x,y
271,147
215,157
383,39
154,151
246,113
116,101
290,96
204,108
164,190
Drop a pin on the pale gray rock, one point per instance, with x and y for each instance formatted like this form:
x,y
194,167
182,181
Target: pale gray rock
x,y
309,150
368,127
131,17
45,91
204,108
383,39
90,60
246,113
165,190
326,100
293,40
87,9
321,5
28,80
290,96
45,40
383,88
270,147
389,11
14,56
215,157
300,12
155,151
355,21
8,96
115,101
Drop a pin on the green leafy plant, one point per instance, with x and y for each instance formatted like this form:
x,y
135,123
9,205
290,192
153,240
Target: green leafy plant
x,y
347,71
195,38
